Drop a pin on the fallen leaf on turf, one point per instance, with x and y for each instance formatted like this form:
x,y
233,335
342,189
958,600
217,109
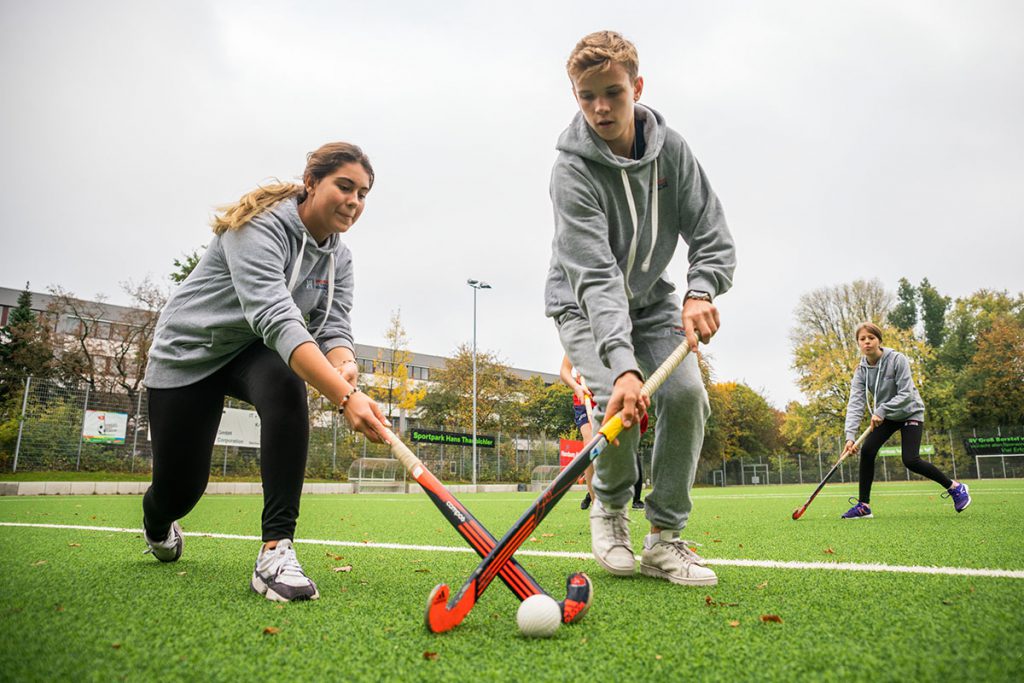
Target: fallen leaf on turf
x,y
829,551
346,568
741,545
657,656
116,646
947,602
771,617
74,545
422,570
181,573
59,608
335,557
533,539
38,563
547,535
734,623
271,631
716,540
429,656
762,585
583,641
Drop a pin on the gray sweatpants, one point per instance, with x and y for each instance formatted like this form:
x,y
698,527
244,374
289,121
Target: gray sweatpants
x,y
680,406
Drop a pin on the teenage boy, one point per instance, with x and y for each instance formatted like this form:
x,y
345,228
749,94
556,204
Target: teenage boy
x,y
625,189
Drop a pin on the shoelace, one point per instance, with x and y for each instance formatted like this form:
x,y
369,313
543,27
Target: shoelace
x,y
619,533
683,550
168,542
285,563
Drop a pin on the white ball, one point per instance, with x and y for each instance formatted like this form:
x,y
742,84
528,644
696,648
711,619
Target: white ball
x,y
539,616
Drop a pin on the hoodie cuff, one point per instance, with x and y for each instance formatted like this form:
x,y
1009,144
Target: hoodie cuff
x,y
291,338
621,361
702,284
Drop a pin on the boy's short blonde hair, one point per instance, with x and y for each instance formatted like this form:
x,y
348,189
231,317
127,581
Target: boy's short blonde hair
x,y
597,51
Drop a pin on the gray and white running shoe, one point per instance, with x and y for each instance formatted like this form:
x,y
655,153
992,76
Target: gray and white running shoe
x,y
167,550
670,558
278,575
609,539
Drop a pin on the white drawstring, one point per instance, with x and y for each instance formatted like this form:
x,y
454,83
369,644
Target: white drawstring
x,y
293,280
654,219
645,266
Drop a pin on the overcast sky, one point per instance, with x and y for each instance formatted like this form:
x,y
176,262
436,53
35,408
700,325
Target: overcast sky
x,y
845,140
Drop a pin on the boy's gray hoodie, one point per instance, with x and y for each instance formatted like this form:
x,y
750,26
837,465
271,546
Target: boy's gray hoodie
x,y
239,293
894,396
604,262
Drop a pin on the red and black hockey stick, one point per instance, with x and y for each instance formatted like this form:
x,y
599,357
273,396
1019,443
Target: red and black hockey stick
x,y
799,512
442,614
578,588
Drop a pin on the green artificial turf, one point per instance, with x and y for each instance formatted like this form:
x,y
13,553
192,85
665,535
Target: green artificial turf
x,y
86,605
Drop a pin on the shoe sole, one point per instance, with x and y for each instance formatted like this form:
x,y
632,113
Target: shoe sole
x,y
859,517
258,586
654,572
966,505
178,549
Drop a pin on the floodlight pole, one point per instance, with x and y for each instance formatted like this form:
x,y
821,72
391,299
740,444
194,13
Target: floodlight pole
x,y
476,285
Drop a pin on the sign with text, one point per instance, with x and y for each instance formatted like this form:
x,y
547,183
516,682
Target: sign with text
x,y
450,438
567,450
238,428
926,449
995,445
100,426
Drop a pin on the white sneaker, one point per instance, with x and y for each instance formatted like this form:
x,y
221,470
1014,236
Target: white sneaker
x,y
609,539
279,576
167,550
669,558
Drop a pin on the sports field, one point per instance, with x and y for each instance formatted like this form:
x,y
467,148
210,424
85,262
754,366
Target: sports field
x,y
815,599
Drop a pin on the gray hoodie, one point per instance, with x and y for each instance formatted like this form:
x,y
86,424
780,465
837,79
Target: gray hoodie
x,y
617,224
247,288
894,396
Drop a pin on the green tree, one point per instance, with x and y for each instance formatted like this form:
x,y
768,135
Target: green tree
x,y
903,315
185,265
742,425
933,313
547,409
994,380
26,347
449,401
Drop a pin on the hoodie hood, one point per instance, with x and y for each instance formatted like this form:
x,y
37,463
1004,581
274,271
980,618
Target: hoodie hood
x,y
581,140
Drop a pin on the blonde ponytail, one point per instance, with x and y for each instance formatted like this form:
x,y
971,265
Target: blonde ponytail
x,y
252,204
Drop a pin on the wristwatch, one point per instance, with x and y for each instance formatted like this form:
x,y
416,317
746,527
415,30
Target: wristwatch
x,y
697,294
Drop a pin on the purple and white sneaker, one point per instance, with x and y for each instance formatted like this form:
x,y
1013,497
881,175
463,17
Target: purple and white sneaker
x,y
858,511
961,498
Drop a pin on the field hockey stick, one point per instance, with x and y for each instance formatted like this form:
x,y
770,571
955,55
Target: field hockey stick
x,y
799,512
444,615
578,588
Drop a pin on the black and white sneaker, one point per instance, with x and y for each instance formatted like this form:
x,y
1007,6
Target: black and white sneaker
x,y
167,550
278,575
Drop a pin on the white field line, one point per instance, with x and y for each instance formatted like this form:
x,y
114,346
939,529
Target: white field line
x,y
764,564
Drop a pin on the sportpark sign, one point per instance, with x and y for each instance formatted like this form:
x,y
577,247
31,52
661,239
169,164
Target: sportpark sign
x,y
995,445
926,449
451,438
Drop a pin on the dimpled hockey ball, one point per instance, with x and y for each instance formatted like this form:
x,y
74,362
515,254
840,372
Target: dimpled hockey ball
x,y
539,616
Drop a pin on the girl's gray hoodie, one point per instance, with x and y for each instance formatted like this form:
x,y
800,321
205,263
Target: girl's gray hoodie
x,y
256,283
617,224
894,396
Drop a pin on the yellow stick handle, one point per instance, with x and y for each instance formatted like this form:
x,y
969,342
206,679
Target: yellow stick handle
x,y
613,427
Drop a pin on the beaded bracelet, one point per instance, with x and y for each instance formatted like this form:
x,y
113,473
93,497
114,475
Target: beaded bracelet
x,y
344,400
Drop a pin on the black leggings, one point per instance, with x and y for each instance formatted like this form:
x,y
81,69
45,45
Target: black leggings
x,y
911,431
183,423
